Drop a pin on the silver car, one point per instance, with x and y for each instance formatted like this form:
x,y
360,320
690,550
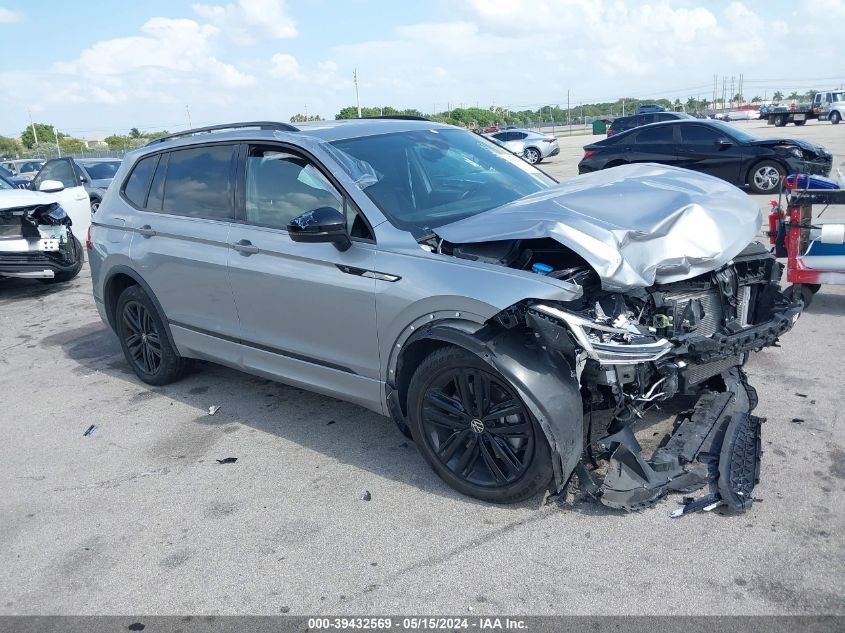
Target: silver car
x,y
23,167
531,145
515,328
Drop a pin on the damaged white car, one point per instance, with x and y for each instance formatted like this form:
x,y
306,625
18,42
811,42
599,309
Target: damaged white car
x,y
427,274
36,239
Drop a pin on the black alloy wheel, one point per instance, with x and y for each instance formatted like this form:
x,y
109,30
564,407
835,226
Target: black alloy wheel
x,y
475,430
142,339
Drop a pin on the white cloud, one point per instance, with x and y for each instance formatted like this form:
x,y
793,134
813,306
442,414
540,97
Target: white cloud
x,y
7,16
284,66
249,21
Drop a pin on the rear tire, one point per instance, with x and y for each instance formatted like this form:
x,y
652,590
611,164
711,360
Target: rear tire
x,y
532,155
780,121
765,177
143,338
475,431
835,118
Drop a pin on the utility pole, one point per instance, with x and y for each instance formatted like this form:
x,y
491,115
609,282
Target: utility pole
x,y
306,111
568,114
732,94
58,149
357,95
715,88
32,125
188,112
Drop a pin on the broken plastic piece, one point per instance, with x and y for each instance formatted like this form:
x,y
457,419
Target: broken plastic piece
x,y
89,430
213,409
366,496
227,460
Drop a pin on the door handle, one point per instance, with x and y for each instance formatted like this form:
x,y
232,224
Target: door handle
x,y
245,247
146,231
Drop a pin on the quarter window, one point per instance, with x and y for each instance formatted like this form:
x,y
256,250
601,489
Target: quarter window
x,y
138,182
200,183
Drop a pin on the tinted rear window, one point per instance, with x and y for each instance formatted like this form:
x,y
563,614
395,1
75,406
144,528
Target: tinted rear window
x,y
200,182
656,134
698,134
139,180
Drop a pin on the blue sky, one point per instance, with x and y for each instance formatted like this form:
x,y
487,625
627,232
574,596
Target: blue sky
x,y
92,68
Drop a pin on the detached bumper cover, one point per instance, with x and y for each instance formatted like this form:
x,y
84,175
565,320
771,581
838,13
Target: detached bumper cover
x,y
717,446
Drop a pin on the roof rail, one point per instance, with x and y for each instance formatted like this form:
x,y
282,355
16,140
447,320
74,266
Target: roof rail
x,y
261,125
399,117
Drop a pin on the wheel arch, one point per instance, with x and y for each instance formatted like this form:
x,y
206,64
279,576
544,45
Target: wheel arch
x,y
544,380
762,159
119,279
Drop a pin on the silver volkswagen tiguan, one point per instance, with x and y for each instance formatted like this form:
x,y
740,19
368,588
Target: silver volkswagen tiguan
x,y
514,327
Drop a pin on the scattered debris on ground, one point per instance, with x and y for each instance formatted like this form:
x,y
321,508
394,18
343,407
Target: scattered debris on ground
x,y
89,430
227,460
366,496
213,409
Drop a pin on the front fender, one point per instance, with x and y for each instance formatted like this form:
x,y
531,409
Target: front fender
x,y
544,380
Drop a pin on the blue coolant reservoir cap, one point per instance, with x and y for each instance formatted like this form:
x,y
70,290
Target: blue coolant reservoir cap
x,y
542,269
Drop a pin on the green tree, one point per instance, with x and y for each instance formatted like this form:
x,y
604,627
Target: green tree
x,y
44,132
153,135
794,95
301,118
116,141
8,146
70,145
756,100
134,133
778,96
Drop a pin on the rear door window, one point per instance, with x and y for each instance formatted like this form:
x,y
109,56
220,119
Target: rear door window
x,y
699,135
657,134
200,182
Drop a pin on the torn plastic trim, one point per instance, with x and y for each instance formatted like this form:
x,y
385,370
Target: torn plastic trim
x,y
718,445
608,352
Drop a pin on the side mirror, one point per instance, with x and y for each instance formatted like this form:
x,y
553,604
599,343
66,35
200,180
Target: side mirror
x,y
51,186
83,179
724,142
320,225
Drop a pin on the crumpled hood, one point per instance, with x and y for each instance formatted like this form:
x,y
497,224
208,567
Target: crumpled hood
x,y
16,198
636,225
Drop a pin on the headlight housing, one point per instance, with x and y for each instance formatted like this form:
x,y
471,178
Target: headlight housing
x,y
607,344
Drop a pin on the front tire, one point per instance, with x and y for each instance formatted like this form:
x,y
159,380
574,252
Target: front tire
x,y
144,340
765,177
475,431
780,121
835,118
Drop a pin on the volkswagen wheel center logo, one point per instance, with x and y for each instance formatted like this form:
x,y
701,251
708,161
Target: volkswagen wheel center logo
x,y
477,425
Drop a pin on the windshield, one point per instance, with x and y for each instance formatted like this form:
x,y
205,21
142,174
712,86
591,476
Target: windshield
x,y
427,178
734,131
102,171
4,184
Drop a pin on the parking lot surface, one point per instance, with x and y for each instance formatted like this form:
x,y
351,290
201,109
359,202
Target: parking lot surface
x,y
139,517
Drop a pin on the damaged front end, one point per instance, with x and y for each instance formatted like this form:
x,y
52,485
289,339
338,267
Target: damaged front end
x,y
36,241
684,341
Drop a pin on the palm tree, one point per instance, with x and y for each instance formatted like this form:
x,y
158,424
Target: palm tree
x,y
777,96
756,100
794,95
